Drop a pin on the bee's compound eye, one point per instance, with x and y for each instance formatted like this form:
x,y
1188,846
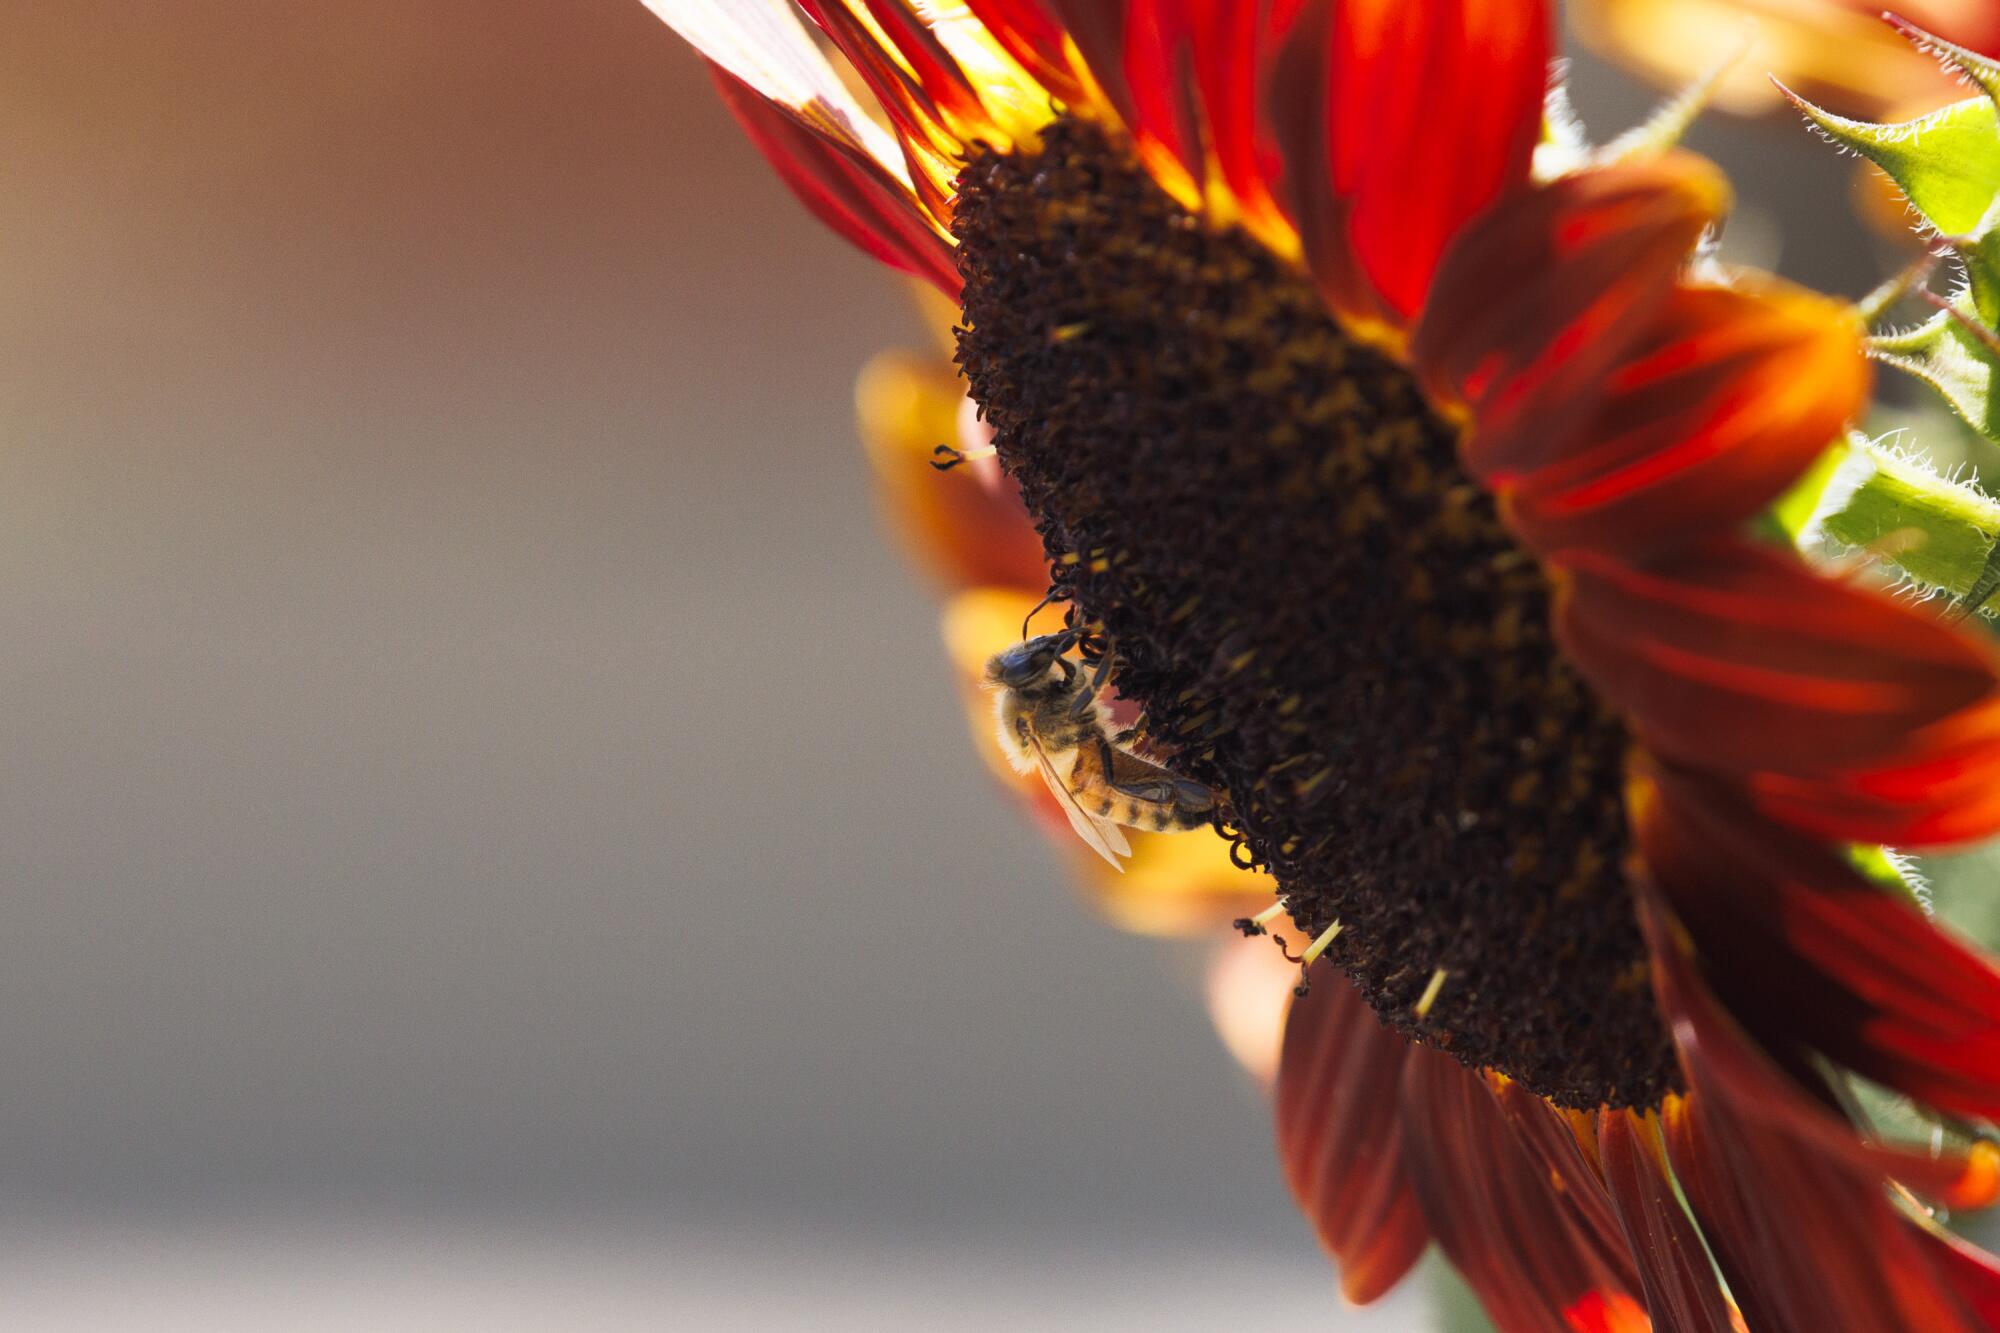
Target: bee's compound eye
x,y
1018,665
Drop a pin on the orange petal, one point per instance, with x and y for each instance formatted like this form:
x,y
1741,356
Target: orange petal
x,y
1809,954
1738,658
1340,1134
849,191
1712,415
1540,298
1679,1285
1435,109
965,527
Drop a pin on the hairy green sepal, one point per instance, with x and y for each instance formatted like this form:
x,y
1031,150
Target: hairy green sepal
x,y
1947,165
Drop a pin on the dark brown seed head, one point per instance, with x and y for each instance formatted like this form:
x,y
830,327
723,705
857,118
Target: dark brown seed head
x,y
1320,612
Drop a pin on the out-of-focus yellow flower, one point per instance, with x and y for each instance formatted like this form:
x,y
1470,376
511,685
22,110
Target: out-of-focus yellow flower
x,y
1837,50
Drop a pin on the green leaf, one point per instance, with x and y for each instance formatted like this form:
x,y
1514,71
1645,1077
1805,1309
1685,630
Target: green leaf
x,y
1982,271
1952,359
1947,163
1941,533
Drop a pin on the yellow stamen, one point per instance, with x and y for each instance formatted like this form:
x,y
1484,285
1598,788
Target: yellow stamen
x,y
1264,917
1318,946
1429,997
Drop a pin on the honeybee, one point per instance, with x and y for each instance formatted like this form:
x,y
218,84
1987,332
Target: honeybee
x,y
1052,721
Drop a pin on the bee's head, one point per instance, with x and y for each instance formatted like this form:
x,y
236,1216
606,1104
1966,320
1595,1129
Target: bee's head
x,y
1030,661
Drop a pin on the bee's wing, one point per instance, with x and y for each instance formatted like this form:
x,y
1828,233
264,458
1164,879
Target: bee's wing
x,y
1101,837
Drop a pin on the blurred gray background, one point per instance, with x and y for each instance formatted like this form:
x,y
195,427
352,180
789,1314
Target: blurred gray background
x,y
462,863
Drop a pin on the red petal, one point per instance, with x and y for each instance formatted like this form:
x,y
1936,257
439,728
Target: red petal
x,y
1232,52
1972,1272
1299,99
928,143
1804,951
1737,658
1680,1287
1340,1140
1097,30
1602,1312
845,190
1711,416
937,71
1489,1202
1541,297
1027,33
1803,1244
1165,118
1436,107
1552,1137
1790,1198
1940,794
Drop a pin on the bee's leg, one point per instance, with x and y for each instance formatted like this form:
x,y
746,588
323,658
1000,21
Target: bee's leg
x,y
1080,706
953,457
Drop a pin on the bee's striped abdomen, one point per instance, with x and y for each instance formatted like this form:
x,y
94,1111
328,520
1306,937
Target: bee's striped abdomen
x,y
1154,816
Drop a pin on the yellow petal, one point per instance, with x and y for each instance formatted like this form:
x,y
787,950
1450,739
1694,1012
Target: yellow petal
x,y
965,526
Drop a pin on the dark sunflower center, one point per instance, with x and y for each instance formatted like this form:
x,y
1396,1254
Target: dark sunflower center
x,y
1320,612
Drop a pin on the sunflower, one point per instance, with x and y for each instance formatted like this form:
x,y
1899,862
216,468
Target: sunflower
x,y
1402,454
